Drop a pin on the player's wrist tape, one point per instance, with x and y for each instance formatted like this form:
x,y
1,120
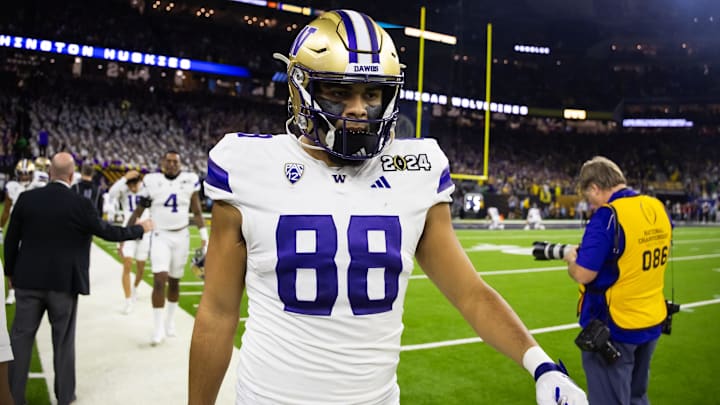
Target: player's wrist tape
x,y
533,358
203,234
545,367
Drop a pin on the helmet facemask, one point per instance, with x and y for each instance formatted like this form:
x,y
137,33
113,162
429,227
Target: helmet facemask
x,y
350,138
24,171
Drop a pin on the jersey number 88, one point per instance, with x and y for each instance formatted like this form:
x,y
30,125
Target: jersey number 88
x,y
322,260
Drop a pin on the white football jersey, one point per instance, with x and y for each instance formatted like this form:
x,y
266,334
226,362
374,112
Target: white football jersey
x,y
14,189
126,199
534,215
329,253
170,198
40,177
494,214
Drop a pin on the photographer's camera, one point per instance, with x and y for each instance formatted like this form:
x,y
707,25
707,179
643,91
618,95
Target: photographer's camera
x,y
595,337
672,308
549,251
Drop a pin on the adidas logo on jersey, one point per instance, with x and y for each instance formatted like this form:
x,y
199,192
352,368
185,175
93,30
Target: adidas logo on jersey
x,y
381,183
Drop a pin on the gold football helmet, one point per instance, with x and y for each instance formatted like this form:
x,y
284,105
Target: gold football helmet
x,y
24,170
42,163
344,47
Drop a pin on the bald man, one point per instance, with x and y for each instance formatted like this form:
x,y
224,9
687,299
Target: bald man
x,y
47,256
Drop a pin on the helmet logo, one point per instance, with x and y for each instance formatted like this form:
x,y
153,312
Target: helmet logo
x,y
301,38
365,68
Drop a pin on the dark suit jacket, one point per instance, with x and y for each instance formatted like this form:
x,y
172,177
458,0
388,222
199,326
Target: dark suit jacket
x,y
47,245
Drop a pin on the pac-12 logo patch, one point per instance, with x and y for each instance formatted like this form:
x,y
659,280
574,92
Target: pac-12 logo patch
x,y
293,171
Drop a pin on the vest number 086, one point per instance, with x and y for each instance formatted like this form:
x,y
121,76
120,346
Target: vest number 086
x,y
654,258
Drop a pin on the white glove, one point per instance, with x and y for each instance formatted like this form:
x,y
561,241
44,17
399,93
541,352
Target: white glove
x,y
554,387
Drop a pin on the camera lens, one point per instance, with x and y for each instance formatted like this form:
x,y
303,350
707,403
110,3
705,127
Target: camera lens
x,y
548,251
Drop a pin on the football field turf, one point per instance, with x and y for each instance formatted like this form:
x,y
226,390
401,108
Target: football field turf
x,y
443,362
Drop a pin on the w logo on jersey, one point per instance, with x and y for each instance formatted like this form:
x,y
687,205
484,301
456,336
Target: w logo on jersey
x,y
339,178
293,171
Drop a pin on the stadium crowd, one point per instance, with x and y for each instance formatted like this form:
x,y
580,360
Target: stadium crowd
x,y
117,123
126,127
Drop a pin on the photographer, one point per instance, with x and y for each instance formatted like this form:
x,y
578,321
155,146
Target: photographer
x,y
620,266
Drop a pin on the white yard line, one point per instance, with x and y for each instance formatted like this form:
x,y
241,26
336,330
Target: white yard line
x,y
558,268
456,342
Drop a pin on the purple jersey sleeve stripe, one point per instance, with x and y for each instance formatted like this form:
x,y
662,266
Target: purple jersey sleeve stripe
x,y
445,180
373,39
217,177
350,30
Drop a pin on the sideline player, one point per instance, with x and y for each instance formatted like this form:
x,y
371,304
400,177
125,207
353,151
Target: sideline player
x,y
322,229
42,165
125,191
534,219
25,175
169,195
496,221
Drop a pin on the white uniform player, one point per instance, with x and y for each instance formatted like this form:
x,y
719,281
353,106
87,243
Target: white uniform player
x,y
171,195
126,191
534,219
24,173
496,221
169,209
320,227
297,292
41,176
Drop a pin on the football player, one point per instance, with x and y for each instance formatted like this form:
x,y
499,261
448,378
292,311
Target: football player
x,y
24,173
534,219
169,195
42,165
320,227
126,192
496,221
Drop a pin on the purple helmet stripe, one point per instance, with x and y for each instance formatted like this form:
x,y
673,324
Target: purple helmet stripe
x,y
350,30
373,39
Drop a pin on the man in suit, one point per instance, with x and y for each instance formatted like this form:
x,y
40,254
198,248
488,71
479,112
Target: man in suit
x,y
47,255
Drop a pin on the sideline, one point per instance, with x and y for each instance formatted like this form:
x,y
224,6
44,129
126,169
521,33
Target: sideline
x,y
114,360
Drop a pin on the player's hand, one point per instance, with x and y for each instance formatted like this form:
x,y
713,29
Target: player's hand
x,y
554,387
203,246
120,250
131,174
147,224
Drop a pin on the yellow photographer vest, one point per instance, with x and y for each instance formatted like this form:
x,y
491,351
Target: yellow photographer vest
x,y
636,300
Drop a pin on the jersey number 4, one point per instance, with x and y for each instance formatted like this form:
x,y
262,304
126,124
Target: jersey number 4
x,y
172,202
366,254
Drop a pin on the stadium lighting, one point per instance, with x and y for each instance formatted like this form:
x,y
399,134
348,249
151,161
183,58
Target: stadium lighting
x,y
570,114
431,36
657,123
309,11
541,50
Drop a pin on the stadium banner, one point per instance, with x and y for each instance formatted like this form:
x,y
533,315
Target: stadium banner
x,y
121,55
